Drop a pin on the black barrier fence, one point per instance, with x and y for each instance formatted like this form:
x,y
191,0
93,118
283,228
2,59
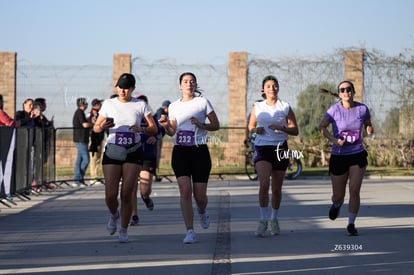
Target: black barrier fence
x,y
27,158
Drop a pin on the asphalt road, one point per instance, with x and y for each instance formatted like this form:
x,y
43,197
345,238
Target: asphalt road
x,y
63,232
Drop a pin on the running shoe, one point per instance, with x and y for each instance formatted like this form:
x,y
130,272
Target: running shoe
x,y
75,184
134,220
190,237
261,229
351,230
49,186
111,226
204,220
149,204
274,227
123,235
334,211
35,187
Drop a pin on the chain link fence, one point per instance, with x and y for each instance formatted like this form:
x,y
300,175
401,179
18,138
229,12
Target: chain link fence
x,y
388,86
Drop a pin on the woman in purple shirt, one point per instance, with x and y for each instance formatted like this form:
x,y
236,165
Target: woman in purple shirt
x,y
348,157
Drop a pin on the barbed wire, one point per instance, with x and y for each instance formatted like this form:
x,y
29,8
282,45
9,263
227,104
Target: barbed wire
x,y
388,80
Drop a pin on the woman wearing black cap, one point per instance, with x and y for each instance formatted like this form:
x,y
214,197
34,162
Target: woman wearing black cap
x,y
122,159
272,120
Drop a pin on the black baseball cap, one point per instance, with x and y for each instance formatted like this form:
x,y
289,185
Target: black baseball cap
x,y
96,101
126,81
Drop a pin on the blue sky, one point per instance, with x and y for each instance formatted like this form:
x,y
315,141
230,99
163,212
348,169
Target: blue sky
x,y
77,32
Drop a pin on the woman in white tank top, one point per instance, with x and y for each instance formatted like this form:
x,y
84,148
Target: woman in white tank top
x,y
272,120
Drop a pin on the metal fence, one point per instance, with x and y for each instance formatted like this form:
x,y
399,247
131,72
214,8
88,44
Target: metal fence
x,y
27,159
388,81
388,84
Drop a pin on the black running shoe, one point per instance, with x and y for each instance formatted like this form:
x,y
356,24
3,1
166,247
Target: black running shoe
x,y
149,204
134,220
351,230
334,212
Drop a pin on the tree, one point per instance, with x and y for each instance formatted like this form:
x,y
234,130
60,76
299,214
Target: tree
x,y
313,103
390,128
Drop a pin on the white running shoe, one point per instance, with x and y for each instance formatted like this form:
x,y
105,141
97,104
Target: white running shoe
x,y
261,229
190,237
111,226
123,235
204,220
274,227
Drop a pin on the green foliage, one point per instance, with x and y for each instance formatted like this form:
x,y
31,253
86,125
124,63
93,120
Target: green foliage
x,y
311,107
391,123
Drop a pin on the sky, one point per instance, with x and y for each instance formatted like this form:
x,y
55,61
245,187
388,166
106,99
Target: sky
x,y
89,32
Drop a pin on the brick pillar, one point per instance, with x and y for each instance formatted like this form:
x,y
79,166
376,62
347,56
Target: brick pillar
x,y
8,81
237,104
354,72
121,64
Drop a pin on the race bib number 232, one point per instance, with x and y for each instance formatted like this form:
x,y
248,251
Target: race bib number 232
x,y
185,138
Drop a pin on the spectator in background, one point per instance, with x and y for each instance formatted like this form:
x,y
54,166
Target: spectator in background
x,y
27,115
5,119
41,120
96,143
26,118
81,128
162,111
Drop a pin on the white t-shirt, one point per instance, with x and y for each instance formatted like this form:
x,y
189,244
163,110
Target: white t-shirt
x,y
271,114
124,115
199,107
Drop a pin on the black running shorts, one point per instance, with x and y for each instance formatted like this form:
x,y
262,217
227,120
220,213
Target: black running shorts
x,y
276,155
192,161
339,164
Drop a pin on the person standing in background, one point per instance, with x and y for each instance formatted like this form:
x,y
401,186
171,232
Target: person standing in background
x,y
5,119
26,118
96,143
45,126
27,114
81,128
41,120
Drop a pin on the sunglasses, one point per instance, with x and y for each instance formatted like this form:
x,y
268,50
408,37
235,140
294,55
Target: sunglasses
x,y
346,89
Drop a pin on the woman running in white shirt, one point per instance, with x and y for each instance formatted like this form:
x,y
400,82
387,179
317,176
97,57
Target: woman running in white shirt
x,y
272,120
191,160
123,157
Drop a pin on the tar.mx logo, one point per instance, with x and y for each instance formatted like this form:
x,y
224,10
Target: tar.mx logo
x,y
286,154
